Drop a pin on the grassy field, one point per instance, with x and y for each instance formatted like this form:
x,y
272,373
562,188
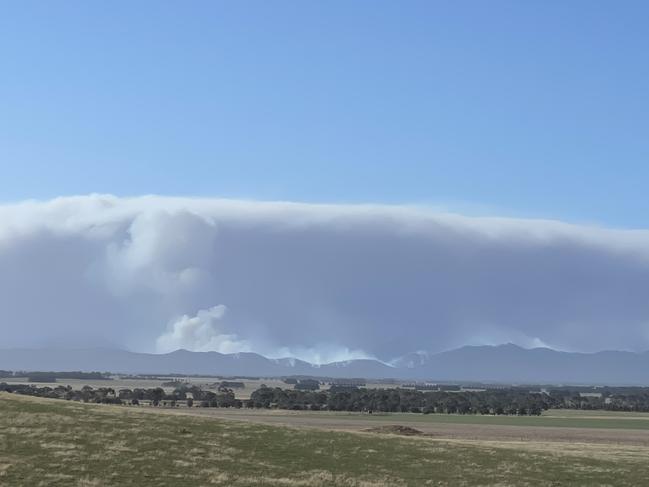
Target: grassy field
x,y
563,413
578,419
550,419
52,442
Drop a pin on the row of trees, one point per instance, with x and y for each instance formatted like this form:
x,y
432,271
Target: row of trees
x,y
35,376
188,396
608,398
509,401
401,400
303,384
104,395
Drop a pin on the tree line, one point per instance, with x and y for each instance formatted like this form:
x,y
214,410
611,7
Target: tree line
x,y
188,395
401,400
37,376
502,401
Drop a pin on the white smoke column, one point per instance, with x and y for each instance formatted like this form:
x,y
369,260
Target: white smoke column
x,y
200,333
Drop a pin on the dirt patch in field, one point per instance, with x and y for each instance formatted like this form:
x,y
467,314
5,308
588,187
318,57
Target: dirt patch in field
x,y
395,429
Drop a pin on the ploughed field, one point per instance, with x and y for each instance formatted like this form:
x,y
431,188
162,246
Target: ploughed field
x,y
55,442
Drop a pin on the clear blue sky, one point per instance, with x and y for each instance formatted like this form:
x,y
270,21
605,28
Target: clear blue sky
x,y
534,108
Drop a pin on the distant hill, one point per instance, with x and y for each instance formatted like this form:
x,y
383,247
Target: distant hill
x,y
513,364
183,362
493,364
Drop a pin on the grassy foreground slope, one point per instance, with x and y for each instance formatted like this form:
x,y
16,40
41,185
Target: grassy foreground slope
x,y
52,442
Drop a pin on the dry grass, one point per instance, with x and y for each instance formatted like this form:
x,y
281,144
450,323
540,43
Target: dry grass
x,y
50,442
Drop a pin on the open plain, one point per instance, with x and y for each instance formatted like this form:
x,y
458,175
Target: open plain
x,y
621,429
53,442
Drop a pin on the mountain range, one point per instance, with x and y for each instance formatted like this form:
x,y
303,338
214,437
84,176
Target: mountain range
x,y
486,364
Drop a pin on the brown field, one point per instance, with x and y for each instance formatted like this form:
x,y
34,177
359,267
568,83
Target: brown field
x,y
430,426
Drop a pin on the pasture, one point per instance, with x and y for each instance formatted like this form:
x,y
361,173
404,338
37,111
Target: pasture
x,y
54,442
558,418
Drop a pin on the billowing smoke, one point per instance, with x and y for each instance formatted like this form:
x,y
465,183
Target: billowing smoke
x,y
201,333
320,282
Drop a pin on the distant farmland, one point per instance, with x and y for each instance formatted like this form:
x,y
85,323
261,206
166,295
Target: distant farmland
x,y
53,442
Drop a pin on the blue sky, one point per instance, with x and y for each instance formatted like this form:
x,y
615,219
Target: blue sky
x,y
534,109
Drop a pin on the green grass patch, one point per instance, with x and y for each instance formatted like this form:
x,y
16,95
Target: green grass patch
x,y
574,421
561,420
597,412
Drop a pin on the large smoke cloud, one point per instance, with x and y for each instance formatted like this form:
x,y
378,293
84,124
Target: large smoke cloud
x,y
201,333
322,282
